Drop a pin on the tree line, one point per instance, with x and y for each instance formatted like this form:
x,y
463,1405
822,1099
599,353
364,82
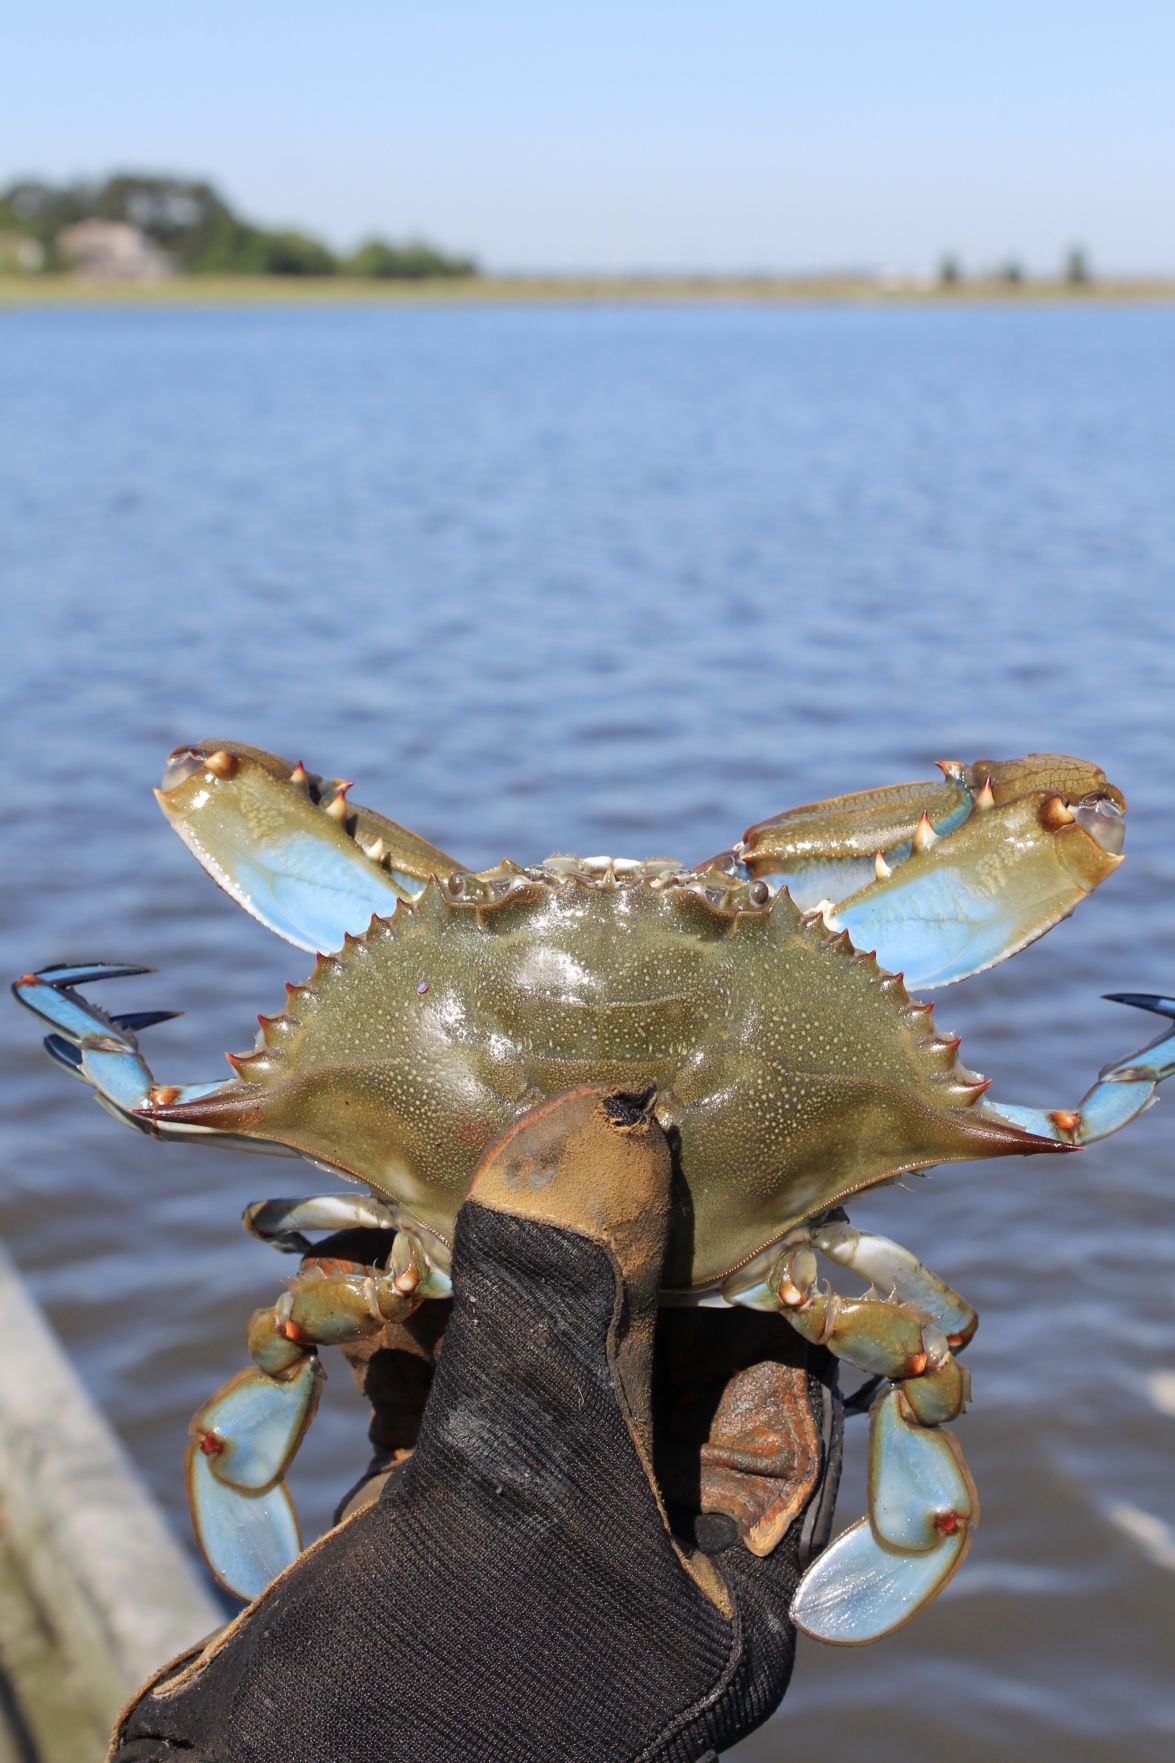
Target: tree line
x,y
1075,270
192,222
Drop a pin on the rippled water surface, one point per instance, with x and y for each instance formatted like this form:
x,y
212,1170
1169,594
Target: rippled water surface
x,y
627,580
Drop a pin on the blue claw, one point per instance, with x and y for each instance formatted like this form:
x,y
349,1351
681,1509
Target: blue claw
x,y
63,974
117,1073
1124,1090
56,1003
134,1020
1143,1001
65,1053
102,1049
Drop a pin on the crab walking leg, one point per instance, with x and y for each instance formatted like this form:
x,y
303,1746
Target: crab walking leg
x,y
245,1437
893,1269
1123,1090
281,1222
922,1502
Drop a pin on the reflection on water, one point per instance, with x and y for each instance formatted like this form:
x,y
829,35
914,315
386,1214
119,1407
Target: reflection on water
x,y
622,580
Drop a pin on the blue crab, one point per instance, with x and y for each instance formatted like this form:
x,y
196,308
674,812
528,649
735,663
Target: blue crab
x,y
759,994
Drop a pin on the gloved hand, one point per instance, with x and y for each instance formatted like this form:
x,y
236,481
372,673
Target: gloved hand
x,y
522,1590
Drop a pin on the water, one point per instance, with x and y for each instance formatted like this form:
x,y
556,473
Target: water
x,y
628,580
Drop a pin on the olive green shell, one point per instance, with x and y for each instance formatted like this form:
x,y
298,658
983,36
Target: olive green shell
x,y
790,1070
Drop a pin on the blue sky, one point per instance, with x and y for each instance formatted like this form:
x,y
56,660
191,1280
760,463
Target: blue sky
x,y
609,136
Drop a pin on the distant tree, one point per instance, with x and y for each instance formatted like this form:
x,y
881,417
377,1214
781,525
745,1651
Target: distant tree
x,y
39,210
184,216
412,261
1077,272
1012,272
949,272
191,219
229,247
293,253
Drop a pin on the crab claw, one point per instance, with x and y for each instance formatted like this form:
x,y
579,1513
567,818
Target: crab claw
x,y
943,880
288,846
103,1050
1124,1089
1143,1001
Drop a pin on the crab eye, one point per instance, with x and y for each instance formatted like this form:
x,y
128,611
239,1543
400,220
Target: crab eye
x,y
180,766
1055,813
1104,821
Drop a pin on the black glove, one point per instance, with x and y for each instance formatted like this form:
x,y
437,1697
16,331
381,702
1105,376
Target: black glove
x,y
516,1594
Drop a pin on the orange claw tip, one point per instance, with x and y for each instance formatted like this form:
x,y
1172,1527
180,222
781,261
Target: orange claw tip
x,y
30,979
1065,1120
211,1444
949,1523
162,1095
951,768
291,1331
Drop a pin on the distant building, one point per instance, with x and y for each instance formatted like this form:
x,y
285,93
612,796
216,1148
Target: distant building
x,y
20,255
112,250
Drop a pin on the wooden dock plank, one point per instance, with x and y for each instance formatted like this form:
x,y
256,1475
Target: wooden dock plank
x,y
87,1546
45,1714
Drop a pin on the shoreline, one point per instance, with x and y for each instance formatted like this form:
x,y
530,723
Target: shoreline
x,y
43,291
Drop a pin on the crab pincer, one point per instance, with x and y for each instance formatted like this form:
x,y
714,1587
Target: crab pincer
x,y
101,1049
